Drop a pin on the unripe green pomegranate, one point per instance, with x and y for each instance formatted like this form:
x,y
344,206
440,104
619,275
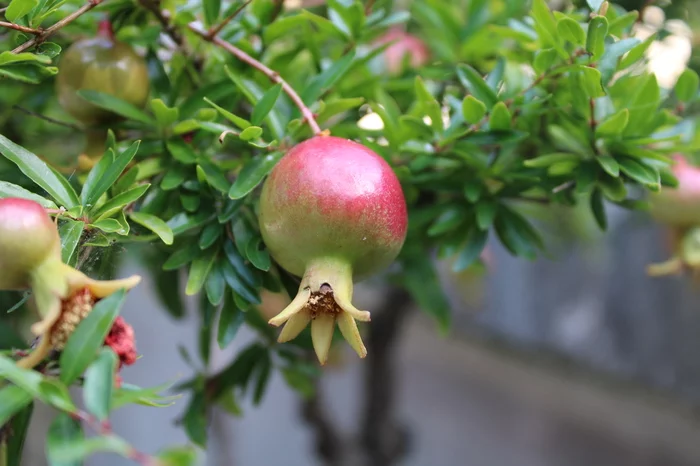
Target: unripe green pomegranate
x,y
332,212
28,238
679,207
101,64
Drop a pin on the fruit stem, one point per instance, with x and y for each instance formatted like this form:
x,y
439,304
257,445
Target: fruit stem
x,y
105,29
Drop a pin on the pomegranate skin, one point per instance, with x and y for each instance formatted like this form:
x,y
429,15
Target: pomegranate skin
x,y
28,238
403,44
332,197
679,207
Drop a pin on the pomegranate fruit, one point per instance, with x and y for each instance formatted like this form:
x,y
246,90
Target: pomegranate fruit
x,y
28,239
332,212
403,44
30,257
681,206
101,64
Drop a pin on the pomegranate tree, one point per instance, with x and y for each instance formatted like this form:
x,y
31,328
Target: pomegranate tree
x,y
332,212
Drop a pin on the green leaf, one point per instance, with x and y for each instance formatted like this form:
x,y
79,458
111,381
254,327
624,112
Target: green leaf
x,y
544,59
181,151
592,82
178,456
64,432
474,82
485,213
475,244
609,164
252,174
215,286
116,105
640,172
265,104
257,256
473,109
89,336
13,399
620,25
153,223
687,85
598,208
106,176
230,322
250,133
99,383
264,366
70,233
337,106
546,26
595,41
118,202
571,30
212,8
165,116
109,225
19,426
18,8
8,57
636,53
500,118
12,190
613,188
545,161
213,175
327,78
241,123
209,235
40,173
614,125
199,270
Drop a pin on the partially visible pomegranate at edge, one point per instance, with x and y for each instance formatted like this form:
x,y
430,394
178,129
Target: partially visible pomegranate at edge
x,y
332,212
28,238
403,44
680,206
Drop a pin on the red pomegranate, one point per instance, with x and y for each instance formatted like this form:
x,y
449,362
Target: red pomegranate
x,y
332,212
403,44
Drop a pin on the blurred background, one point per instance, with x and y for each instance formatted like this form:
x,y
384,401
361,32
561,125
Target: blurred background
x,y
574,359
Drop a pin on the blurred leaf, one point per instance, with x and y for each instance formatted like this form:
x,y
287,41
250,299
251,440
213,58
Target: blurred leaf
x,y
264,366
212,8
18,8
327,79
598,208
241,123
230,321
687,85
636,52
595,40
89,336
13,399
500,117
571,30
12,190
609,164
153,223
178,456
250,133
473,110
215,286
36,170
614,125
199,270
472,80
546,26
116,105
640,172
265,104
592,82
165,116
475,244
19,426
64,432
99,382
119,202
181,151
421,280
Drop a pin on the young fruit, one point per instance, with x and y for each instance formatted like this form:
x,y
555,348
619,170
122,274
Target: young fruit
x,y
30,257
105,65
332,212
403,45
28,239
679,207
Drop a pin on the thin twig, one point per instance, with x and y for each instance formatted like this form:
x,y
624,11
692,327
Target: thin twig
x,y
105,429
271,74
19,27
46,33
215,30
45,118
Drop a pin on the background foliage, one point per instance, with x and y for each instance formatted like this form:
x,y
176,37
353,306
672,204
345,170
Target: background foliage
x,y
520,108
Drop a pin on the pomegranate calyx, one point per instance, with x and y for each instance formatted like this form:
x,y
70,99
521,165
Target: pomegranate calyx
x,y
324,298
